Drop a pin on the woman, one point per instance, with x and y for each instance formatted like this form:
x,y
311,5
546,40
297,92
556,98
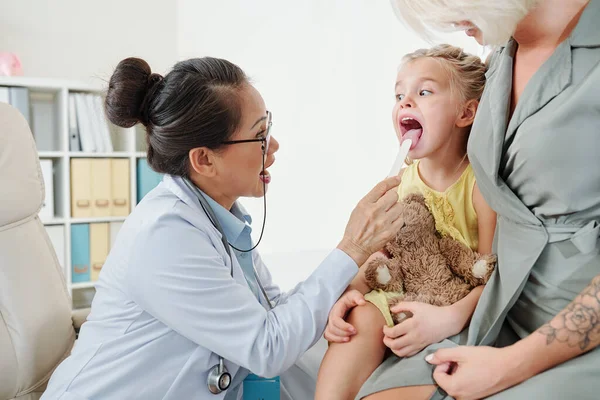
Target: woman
x,y
180,298
534,148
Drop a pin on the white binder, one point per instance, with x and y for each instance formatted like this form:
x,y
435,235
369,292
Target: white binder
x,y
47,211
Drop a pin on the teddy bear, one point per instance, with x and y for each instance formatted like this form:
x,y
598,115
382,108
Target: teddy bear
x,y
424,265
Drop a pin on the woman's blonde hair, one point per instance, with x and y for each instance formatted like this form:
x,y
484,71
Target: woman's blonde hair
x,y
497,19
466,72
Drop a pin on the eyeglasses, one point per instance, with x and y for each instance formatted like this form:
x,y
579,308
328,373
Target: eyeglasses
x,y
266,139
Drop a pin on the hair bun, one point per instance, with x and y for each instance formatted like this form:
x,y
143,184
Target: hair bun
x,y
130,90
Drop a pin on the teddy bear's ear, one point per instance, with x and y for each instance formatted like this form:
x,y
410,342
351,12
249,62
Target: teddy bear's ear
x,y
414,198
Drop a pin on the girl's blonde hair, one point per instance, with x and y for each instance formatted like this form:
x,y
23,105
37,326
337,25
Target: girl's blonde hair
x,y
466,72
497,19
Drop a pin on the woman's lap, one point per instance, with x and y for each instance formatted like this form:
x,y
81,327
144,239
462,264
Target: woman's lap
x,y
576,378
397,372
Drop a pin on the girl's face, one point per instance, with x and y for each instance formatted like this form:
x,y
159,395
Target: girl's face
x,y
240,165
426,109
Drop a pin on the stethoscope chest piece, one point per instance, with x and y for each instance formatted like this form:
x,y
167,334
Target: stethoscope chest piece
x,y
218,378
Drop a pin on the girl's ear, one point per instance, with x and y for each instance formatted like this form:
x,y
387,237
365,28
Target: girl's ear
x,y
467,115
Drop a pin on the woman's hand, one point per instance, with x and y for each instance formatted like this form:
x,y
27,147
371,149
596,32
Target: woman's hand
x,y
374,221
337,329
469,372
428,324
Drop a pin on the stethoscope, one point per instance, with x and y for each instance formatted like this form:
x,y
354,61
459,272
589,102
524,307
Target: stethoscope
x,y
219,379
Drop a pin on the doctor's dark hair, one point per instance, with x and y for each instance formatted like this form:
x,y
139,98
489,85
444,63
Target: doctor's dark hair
x,y
195,105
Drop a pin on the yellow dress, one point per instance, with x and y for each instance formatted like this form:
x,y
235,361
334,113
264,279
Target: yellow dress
x,y
454,215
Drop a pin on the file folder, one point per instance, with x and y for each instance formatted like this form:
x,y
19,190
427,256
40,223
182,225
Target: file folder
x,y
147,178
100,183
98,248
80,253
81,189
114,230
47,211
120,187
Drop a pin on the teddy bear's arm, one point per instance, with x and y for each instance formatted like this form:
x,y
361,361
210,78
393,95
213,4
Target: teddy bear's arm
x,y
385,274
473,267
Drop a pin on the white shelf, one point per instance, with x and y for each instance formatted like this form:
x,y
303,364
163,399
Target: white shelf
x,y
115,154
51,154
83,285
95,220
50,84
49,109
54,221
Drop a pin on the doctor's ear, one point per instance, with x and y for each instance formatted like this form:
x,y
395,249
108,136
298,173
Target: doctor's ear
x,y
467,114
202,161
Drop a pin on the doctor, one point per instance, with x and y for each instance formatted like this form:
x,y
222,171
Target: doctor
x,y
183,304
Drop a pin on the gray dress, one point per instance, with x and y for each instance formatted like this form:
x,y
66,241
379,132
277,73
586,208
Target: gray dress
x,y
540,172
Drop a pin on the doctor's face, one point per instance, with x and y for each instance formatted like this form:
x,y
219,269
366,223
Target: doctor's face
x,y
241,170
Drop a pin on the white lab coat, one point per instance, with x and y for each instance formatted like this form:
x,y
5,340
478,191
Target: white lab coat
x,y
167,306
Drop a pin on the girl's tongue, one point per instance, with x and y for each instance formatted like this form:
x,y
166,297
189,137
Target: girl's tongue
x,y
414,135
411,129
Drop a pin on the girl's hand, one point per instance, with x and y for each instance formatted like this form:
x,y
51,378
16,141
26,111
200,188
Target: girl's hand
x,y
468,372
337,329
428,324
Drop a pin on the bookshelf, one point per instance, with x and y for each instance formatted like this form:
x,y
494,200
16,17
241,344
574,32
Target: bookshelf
x,y
49,112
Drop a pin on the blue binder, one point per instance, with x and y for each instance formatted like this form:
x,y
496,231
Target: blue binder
x,y
147,178
257,388
80,253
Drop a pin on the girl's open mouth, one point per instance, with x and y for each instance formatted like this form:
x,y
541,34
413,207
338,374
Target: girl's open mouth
x,y
411,129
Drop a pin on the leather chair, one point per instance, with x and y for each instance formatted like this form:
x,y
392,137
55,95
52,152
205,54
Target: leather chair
x,y
37,328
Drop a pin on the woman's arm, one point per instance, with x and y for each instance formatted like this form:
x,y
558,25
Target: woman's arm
x,y
574,331
479,371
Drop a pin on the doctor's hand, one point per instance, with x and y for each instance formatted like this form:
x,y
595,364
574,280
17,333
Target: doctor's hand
x,y
374,221
337,329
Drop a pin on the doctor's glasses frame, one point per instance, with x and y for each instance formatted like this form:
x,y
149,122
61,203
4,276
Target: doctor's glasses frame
x,y
266,139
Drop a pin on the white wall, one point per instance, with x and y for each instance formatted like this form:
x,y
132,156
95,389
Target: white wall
x,y
326,70
86,39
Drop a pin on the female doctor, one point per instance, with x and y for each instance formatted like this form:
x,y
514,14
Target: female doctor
x,y
184,306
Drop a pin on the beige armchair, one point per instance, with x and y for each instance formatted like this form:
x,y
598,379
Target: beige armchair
x,y
36,325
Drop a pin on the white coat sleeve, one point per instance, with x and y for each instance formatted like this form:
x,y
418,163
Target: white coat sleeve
x,y
179,277
276,296
273,291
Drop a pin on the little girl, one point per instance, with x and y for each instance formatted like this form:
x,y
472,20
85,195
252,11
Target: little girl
x,y
437,93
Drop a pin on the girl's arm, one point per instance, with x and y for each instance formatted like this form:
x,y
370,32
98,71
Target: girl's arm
x,y
486,221
486,224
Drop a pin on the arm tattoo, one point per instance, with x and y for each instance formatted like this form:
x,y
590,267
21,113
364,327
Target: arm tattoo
x,y
579,323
